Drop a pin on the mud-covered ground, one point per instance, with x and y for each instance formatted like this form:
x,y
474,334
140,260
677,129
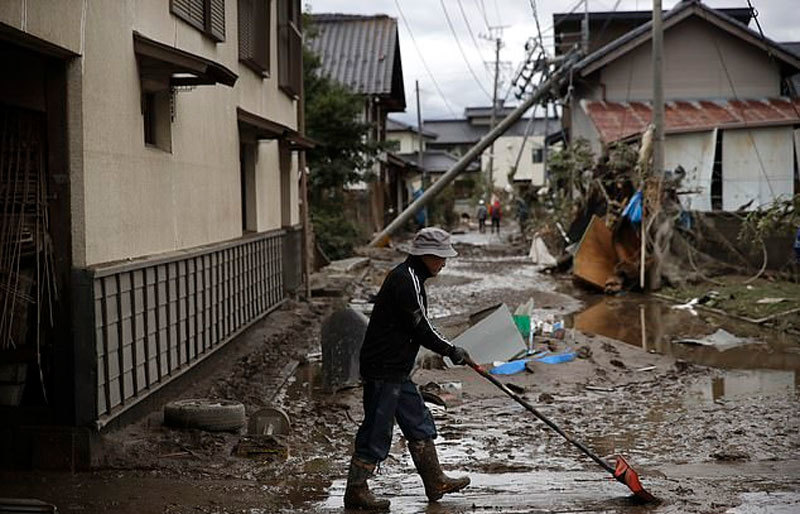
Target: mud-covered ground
x,y
703,439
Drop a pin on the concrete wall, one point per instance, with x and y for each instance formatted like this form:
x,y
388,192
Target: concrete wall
x,y
693,67
138,200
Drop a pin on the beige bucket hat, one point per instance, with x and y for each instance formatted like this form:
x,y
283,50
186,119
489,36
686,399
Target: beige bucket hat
x,y
432,241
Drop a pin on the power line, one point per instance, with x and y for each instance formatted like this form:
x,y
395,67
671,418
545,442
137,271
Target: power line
x,y
482,10
469,28
460,49
497,11
421,58
536,19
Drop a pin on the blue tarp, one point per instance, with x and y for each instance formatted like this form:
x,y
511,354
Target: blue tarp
x,y
633,211
517,366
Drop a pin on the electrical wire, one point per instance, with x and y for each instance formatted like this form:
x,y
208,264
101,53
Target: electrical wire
x,y
422,58
461,50
469,29
536,20
482,9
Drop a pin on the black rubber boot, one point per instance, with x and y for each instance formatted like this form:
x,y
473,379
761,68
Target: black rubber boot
x,y
357,494
437,484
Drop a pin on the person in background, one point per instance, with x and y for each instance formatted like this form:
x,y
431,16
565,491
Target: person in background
x,y
482,215
397,328
496,213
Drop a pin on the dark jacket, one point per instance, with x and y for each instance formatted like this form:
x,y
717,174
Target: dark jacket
x,y
399,325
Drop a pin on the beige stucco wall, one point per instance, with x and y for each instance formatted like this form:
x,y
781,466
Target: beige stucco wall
x,y
56,21
693,68
506,150
409,142
136,200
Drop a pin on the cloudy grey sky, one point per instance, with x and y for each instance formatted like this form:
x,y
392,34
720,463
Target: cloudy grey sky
x,y
458,81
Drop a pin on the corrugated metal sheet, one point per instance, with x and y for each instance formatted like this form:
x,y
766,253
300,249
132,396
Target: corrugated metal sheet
x,y
357,51
619,120
757,167
695,153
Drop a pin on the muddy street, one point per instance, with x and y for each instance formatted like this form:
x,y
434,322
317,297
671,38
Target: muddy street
x,y
707,430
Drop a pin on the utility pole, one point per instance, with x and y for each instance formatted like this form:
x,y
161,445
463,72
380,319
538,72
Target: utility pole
x,y
658,122
658,89
420,162
585,27
498,44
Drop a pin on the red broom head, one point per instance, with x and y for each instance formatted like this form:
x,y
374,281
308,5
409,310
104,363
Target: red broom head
x,y
627,475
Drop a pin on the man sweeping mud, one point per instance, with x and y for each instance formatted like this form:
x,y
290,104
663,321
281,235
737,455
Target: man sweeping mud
x,y
397,328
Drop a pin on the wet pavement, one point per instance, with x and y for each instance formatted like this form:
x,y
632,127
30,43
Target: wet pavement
x,y
707,430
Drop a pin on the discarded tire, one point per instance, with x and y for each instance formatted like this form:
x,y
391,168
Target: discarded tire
x,y
205,414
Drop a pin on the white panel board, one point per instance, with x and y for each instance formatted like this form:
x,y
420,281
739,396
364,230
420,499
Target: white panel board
x,y
744,151
695,153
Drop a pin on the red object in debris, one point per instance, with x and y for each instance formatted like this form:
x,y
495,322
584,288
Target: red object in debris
x,y
626,474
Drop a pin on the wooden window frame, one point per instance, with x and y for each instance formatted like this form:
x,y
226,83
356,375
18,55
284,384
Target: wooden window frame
x,y
249,57
206,25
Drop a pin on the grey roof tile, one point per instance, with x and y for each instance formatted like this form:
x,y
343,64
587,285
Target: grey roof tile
x,y
361,52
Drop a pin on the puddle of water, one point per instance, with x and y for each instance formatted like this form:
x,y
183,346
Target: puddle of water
x,y
741,383
653,324
530,492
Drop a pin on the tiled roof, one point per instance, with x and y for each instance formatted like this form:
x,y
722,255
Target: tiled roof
x,y
620,120
361,52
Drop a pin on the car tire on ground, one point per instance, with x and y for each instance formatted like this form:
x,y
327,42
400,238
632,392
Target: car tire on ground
x,y
205,414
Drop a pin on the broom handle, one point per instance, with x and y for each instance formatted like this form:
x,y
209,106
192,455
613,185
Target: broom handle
x,y
539,415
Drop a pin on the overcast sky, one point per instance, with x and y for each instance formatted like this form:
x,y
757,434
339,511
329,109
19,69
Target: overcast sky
x,y
450,86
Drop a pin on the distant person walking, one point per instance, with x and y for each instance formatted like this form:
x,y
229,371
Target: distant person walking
x,y
482,215
496,213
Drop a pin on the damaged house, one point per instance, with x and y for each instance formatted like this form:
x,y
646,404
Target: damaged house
x,y
732,111
150,201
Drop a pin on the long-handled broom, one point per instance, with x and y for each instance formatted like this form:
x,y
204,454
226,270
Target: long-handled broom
x,y
622,471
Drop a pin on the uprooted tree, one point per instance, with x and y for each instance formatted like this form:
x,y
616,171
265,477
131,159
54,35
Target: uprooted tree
x,y
343,149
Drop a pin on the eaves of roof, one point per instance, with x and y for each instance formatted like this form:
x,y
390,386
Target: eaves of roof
x,y
680,12
393,125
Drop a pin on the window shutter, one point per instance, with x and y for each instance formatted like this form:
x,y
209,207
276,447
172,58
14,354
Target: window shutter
x,y
246,29
261,35
254,27
190,11
217,19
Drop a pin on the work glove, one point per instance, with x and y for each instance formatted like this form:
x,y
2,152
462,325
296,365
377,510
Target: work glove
x,y
459,356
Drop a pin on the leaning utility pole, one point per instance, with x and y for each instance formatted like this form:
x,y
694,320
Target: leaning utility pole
x,y
420,162
555,80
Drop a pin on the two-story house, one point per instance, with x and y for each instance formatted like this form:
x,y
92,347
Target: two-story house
x,y
518,153
363,54
150,200
731,111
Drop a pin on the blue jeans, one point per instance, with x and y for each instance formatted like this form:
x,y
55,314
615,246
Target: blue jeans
x,y
383,403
